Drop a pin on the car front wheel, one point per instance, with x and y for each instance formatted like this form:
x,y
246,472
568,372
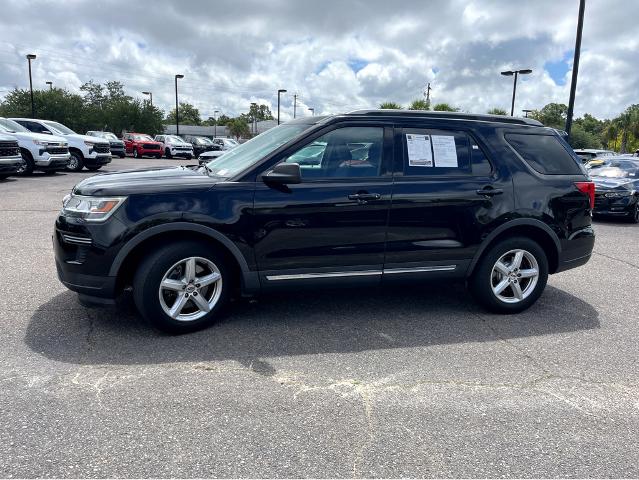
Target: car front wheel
x,y
182,287
75,162
511,276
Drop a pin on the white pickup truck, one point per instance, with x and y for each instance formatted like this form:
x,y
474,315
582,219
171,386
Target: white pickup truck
x,y
90,152
174,146
10,158
47,153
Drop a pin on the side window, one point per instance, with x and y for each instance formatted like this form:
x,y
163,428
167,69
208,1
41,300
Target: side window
x,y
481,165
34,126
544,153
347,152
434,152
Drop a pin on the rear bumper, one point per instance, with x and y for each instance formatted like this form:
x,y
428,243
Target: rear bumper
x,y
577,250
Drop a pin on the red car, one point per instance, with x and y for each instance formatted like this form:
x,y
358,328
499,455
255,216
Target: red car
x,y
141,144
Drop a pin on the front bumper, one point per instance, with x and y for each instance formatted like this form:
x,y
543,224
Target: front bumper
x,y
52,162
181,152
97,159
10,165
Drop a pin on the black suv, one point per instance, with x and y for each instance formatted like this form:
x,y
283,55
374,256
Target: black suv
x,y
356,199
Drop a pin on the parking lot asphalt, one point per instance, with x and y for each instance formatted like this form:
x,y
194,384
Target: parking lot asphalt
x,y
400,382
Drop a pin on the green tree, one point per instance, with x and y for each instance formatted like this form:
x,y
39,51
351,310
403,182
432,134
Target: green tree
x,y
552,115
445,107
390,105
580,138
628,125
420,104
238,128
497,111
189,115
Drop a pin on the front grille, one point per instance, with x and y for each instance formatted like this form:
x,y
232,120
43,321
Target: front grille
x,y
57,150
151,146
117,146
9,149
101,148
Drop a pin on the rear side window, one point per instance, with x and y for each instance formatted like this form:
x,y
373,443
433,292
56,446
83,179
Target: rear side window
x,y
544,153
429,152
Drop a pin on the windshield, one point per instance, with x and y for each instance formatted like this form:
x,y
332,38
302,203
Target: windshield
x,y
108,136
12,127
230,141
59,128
173,138
203,141
145,138
247,154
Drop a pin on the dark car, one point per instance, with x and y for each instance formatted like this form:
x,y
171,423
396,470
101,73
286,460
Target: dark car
x,y
363,198
117,145
202,144
617,188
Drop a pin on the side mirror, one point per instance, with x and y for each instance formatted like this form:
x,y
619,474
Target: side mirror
x,y
284,174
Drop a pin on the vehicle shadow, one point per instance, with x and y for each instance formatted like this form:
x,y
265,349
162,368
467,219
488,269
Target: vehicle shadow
x,y
303,323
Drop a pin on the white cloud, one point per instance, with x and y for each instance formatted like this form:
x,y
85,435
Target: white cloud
x,y
336,55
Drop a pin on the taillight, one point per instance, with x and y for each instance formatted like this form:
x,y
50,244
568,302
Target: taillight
x,y
589,189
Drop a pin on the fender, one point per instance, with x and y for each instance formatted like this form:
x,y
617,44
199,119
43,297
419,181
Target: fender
x,y
248,277
529,222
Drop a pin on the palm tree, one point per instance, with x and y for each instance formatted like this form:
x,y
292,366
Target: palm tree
x,y
445,107
496,111
390,105
420,104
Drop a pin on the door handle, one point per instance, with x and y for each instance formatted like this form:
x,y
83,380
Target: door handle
x,y
489,191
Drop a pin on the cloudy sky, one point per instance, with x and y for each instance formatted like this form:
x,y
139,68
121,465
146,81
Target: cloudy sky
x,y
337,55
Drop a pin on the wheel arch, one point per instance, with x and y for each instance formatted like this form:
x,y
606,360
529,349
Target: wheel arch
x,y
26,152
129,257
526,227
76,150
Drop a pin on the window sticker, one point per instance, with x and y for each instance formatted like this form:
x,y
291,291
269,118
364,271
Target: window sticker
x,y
445,151
419,152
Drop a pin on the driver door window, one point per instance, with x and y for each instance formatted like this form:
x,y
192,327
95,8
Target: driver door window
x,y
348,152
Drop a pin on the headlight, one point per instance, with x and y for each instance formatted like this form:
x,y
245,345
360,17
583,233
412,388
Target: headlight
x,y
91,209
625,193
89,144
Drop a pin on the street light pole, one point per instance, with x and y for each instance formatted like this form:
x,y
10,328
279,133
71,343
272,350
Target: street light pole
x,y
215,112
50,85
312,110
30,57
177,115
526,112
150,94
294,105
516,73
279,92
575,66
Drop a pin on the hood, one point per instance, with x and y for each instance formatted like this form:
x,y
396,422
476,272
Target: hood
x,y
85,138
39,136
181,144
148,180
6,138
602,183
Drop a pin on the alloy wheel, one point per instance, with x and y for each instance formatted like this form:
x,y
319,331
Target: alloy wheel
x,y
72,163
514,276
190,289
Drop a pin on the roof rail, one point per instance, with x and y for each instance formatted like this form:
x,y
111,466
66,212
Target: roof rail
x,y
450,115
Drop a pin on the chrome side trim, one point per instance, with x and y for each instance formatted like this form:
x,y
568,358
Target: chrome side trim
x,y
436,268
303,276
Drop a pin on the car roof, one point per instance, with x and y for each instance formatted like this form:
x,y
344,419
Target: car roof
x,y
394,113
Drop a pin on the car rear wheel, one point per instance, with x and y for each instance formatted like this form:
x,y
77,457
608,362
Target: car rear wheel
x,y
182,287
75,162
633,217
511,276
136,153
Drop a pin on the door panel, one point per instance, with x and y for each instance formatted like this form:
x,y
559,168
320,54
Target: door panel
x,y
437,217
333,224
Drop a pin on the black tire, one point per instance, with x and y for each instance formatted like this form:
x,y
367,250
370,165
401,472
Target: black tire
x,y
136,153
481,282
121,155
76,162
189,157
149,275
167,153
158,156
4,177
28,163
633,217
94,168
